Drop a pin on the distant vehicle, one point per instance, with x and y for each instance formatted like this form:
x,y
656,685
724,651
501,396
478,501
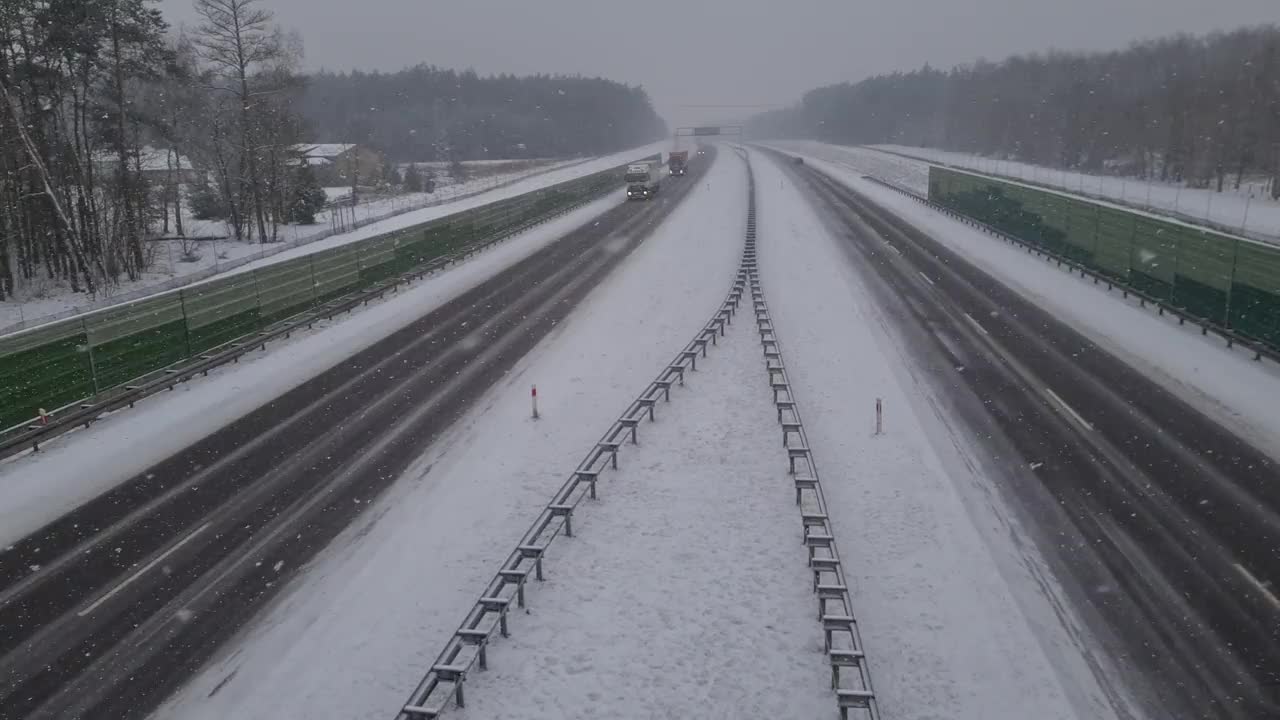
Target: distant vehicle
x,y
678,162
643,180
701,151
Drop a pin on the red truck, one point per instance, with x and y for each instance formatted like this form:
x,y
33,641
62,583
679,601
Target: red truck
x,y
678,162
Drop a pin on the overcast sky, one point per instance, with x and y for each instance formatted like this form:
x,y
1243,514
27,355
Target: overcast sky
x,y
724,52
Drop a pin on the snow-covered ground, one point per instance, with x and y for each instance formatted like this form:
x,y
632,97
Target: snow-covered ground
x,y
1249,210
685,591
370,207
417,217
220,256
1227,383
358,628
953,621
80,465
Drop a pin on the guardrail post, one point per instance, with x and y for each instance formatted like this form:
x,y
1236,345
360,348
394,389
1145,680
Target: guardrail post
x,y
186,322
93,363
315,290
1231,286
257,297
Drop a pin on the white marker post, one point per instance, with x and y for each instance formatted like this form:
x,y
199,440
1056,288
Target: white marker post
x,y
534,395
879,418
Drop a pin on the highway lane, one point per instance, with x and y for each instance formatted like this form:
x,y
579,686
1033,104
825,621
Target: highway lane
x,y
1170,507
106,610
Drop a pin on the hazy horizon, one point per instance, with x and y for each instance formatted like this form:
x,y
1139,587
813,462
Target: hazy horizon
x,y
747,54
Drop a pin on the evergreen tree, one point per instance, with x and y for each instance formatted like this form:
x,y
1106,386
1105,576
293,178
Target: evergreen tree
x,y
207,203
412,179
457,171
308,197
427,113
1198,109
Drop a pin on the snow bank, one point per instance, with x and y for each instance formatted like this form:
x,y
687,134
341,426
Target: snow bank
x,y
355,633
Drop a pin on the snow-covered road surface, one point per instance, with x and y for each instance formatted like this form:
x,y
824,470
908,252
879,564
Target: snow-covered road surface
x,y
954,626
904,172
1225,383
361,624
83,464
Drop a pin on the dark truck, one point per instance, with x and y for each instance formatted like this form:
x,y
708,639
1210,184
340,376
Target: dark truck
x,y
678,162
642,180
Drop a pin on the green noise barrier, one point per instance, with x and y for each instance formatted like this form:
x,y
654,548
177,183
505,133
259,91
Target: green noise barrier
x,y
1225,282
80,358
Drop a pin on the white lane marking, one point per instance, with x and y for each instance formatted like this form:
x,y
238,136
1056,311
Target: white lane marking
x,y
1258,584
142,572
1070,410
926,277
977,324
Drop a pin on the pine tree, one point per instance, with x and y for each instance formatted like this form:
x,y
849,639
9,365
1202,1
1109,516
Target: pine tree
x,y
412,179
308,197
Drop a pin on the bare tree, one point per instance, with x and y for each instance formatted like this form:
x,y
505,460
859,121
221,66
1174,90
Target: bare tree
x,y
238,38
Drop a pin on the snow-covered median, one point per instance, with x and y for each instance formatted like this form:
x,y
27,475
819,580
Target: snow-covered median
x,y
685,591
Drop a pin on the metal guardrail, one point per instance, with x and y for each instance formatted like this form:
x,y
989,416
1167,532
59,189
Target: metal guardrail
x,y
1231,337
841,638
467,647
83,414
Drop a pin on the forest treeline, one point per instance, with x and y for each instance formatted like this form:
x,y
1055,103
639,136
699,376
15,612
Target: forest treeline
x,y
1199,109
105,109
426,113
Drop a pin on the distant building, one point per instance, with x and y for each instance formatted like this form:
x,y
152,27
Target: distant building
x,y
159,166
338,164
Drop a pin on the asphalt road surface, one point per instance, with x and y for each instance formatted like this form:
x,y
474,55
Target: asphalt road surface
x,y
107,610
1168,523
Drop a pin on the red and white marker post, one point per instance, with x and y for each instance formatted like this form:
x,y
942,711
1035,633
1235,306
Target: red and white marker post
x,y
533,394
879,418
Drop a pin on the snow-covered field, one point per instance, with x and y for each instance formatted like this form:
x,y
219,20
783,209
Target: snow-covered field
x,y
1228,384
1248,210
953,626
82,464
370,207
358,629
219,256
